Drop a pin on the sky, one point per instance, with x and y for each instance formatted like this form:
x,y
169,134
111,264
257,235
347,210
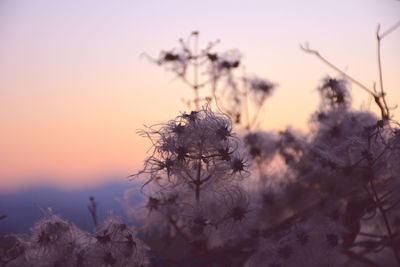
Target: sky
x,y
74,88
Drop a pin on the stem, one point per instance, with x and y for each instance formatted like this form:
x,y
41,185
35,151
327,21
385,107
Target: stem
x,y
386,221
196,71
214,88
377,97
385,110
372,235
379,59
317,54
394,27
93,210
257,114
245,101
198,178
379,38
198,182
393,205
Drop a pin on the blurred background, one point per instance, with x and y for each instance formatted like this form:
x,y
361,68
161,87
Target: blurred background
x,y
74,88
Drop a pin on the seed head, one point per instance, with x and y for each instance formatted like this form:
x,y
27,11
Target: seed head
x,y
237,165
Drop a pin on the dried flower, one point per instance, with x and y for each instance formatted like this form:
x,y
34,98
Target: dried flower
x,y
259,89
195,150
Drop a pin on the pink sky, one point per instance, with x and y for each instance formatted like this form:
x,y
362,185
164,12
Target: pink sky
x,y
74,89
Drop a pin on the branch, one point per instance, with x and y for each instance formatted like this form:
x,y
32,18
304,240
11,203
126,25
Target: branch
x,y
380,99
377,97
386,221
391,29
308,50
379,37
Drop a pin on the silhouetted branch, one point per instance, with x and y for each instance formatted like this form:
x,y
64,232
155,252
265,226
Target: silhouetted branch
x,y
386,221
308,50
391,29
379,37
379,99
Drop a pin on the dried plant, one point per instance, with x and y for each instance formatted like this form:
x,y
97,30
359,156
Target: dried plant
x,y
216,72
328,197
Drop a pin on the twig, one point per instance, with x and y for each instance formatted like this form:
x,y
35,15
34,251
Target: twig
x,y
386,221
393,205
379,37
308,50
255,117
93,210
372,235
391,29
245,101
198,178
379,99
196,70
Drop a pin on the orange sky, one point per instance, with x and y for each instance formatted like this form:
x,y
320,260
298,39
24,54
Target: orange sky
x,y
74,89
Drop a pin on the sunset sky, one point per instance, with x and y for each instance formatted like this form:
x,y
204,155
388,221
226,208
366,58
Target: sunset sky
x,y
74,89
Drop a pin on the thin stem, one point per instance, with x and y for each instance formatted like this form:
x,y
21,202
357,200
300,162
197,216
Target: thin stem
x,y
386,221
198,182
214,88
393,205
383,106
384,151
257,114
379,38
372,235
245,101
377,97
196,71
198,178
391,29
317,54
93,210
379,59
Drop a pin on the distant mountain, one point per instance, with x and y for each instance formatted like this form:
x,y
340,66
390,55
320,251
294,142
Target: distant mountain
x,y
22,209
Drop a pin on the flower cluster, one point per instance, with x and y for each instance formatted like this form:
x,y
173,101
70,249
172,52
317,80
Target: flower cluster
x,y
193,187
223,63
196,151
176,61
334,94
55,242
229,91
